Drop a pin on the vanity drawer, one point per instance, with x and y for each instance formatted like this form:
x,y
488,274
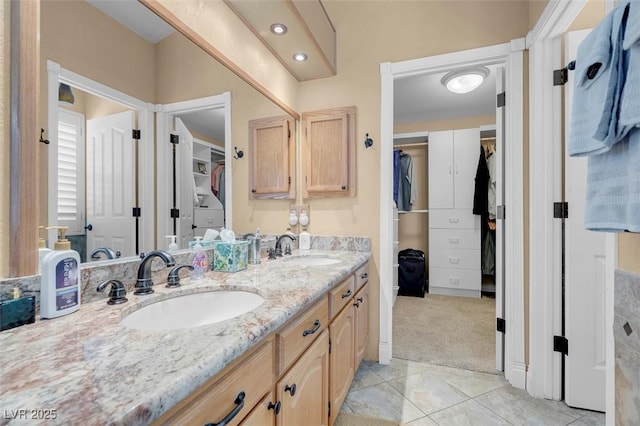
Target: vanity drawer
x,y
453,218
340,295
216,399
296,337
362,274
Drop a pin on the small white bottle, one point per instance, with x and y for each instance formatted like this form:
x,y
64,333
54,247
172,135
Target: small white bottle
x,y
60,286
198,260
173,246
305,240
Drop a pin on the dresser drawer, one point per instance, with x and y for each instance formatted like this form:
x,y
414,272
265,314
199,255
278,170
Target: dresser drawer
x,y
340,295
362,274
461,279
296,337
454,258
453,218
454,238
208,218
213,401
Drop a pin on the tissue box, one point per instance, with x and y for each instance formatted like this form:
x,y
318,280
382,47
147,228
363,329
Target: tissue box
x,y
204,244
230,257
17,312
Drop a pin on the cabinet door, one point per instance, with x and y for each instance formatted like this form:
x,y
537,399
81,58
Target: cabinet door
x,y
264,414
361,303
329,153
272,158
441,170
304,390
466,145
341,357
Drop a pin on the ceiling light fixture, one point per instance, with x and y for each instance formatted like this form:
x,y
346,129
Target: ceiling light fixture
x,y
300,57
65,95
466,80
279,29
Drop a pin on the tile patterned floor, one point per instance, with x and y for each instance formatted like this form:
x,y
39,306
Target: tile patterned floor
x,y
420,394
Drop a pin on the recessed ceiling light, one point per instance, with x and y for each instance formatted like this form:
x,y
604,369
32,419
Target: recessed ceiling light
x,y
300,57
466,80
279,29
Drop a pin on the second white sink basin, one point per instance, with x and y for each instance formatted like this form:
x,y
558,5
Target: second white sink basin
x,y
193,310
312,260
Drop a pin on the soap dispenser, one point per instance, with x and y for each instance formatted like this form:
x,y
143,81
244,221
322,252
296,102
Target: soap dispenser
x,y
60,286
305,240
173,246
43,250
198,260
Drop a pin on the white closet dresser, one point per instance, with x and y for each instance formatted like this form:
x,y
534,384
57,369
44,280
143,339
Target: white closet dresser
x,y
454,231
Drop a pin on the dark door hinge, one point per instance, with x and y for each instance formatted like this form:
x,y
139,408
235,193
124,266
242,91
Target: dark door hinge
x,y
174,139
329,408
175,213
561,210
501,99
329,345
289,180
560,344
137,212
500,325
500,212
135,134
560,77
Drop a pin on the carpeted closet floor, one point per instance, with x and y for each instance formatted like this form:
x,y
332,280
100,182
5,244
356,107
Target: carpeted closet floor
x,y
445,330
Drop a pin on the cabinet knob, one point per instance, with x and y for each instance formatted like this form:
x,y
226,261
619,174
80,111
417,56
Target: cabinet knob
x,y
344,188
275,407
291,389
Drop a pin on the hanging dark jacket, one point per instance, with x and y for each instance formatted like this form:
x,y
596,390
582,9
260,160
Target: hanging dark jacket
x,y
480,195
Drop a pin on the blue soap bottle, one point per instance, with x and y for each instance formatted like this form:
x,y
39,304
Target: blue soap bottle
x,y
60,287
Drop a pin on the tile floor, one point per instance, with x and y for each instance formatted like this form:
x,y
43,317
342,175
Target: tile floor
x,y
423,394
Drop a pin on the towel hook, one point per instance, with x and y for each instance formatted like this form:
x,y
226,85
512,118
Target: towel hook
x,y
368,141
239,154
44,141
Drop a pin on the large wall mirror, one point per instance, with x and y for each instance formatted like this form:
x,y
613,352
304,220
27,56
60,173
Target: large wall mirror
x,y
127,69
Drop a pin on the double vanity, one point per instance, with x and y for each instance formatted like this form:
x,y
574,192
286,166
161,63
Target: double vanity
x,y
260,353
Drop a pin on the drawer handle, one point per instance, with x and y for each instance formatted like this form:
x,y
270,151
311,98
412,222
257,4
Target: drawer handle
x,y
454,280
454,220
454,260
454,240
365,275
359,300
316,326
347,294
239,405
275,407
291,389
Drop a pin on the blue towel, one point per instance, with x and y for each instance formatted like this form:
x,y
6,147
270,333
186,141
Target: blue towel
x,y
598,87
630,98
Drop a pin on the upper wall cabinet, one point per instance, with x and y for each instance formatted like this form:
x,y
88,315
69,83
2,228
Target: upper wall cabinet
x,y
272,154
329,153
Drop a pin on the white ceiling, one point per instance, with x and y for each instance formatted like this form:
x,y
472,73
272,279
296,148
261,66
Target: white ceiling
x,y
416,98
209,123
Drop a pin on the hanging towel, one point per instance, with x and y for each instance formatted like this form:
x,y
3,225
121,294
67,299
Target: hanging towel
x,y
630,98
598,87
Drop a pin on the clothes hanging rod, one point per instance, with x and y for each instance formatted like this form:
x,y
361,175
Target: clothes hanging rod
x,y
488,138
412,211
409,145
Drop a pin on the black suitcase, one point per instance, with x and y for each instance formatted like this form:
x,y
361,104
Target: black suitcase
x,y
412,277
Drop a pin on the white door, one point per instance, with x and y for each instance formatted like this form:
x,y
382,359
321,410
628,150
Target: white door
x,y
111,183
441,165
585,261
499,243
185,183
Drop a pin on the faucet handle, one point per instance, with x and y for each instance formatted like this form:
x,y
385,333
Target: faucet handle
x,y
173,280
287,249
272,253
116,294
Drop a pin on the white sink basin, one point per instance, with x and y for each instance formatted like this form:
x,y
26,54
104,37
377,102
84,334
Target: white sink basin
x,y
193,310
312,260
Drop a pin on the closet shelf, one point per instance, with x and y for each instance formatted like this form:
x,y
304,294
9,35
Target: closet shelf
x,y
412,211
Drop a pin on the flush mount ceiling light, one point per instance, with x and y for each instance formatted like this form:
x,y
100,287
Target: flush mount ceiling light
x,y
279,29
466,80
65,95
300,57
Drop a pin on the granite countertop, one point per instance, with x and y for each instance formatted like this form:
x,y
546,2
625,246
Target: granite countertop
x,y
91,369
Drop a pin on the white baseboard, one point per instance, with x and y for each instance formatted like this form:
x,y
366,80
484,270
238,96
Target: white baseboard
x,y
518,376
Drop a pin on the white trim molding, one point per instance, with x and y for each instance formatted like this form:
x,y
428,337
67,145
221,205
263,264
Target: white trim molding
x,y
511,55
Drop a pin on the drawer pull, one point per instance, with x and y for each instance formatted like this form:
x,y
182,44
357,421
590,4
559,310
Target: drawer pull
x,y
454,280
291,389
454,260
239,405
347,294
454,220
275,407
454,240
359,300
316,326
363,276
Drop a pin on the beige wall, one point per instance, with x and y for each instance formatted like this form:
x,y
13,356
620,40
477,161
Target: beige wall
x,y
5,64
446,124
536,7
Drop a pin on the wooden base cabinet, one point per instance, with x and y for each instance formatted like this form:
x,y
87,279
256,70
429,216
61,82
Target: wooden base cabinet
x,y
304,389
341,358
361,304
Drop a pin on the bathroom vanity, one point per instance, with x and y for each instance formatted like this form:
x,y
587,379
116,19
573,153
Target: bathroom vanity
x,y
296,354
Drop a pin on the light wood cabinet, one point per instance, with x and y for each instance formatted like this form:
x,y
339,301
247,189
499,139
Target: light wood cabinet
x,y
303,391
272,156
328,153
342,357
264,414
341,295
361,304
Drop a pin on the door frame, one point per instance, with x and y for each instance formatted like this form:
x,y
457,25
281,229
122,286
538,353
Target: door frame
x,y
56,74
511,56
165,113
544,376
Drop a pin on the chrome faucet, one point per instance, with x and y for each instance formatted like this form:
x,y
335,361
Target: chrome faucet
x,y
278,251
144,283
108,253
